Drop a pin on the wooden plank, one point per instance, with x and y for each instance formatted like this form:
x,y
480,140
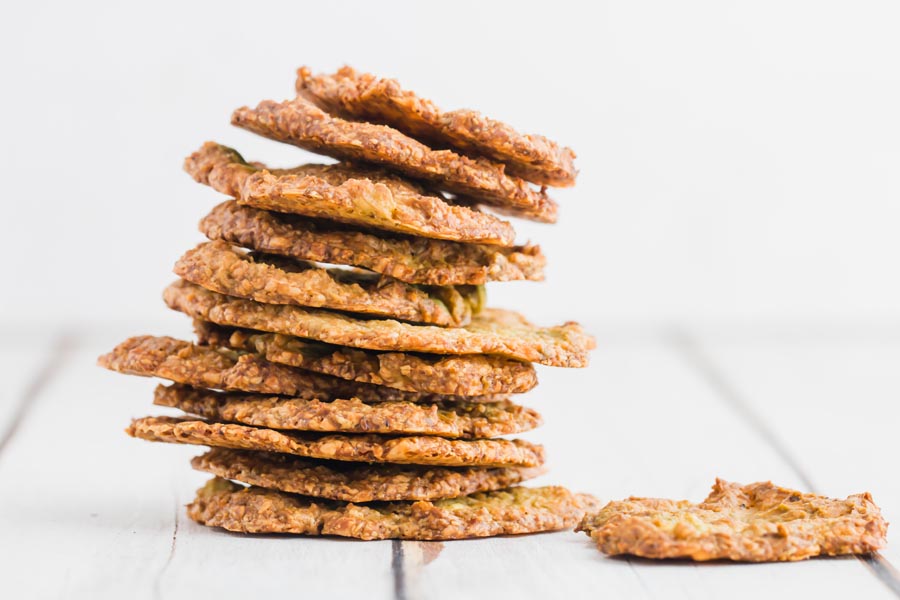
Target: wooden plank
x,y
93,511
833,403
641,420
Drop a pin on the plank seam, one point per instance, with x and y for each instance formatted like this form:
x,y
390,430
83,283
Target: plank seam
x,y
60,350
397,570
689,349
157,581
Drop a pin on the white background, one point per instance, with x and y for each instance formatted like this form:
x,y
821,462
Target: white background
x,y
738,161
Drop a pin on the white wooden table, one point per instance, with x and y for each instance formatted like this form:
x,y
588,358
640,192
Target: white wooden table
x,y
86,512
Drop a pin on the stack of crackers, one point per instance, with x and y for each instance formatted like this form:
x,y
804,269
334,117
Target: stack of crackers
x,y
366,398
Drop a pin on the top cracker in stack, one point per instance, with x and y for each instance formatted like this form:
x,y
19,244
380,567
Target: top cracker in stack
x,y
382,379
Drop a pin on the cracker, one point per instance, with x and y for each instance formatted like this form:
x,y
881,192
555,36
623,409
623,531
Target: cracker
x,y
206,367
410,259
351,482
365,97
220,267
446,419
492,331
372,448
756,522
302,123
517,510
463,375
351,194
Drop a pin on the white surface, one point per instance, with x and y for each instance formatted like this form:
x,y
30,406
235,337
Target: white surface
x,y
87,512
737,159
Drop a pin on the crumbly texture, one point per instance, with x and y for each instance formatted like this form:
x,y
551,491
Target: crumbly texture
x,y
450,419
410,259
302,123
492,331
352,482
365,97
221,368
757,522
220,267
372,448
463,375
515,510
345,193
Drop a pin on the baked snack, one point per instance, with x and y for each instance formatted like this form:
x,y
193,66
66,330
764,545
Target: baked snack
x,y
517,510
371,448
420,260
449,419
224,369
302,123
492,331
365,97
458,375
352,194
756,522
354,482
219,267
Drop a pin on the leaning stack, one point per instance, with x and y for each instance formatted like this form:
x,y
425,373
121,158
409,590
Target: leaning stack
x,y
364,400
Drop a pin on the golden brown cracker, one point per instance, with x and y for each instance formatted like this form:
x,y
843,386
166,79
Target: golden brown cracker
x,y
516,510
365,97
756,522
492,331
373,448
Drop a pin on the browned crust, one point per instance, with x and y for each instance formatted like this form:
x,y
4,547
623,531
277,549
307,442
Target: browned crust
x,y
446,419
463,375
517,510
410,259
302,123
350,482
492,331
373,448
756,522
365,97
206,367
220,267
345,193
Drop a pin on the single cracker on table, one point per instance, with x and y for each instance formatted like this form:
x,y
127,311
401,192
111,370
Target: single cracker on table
x,y
756,522
420,260
516,510
460,375
220,368
303,124
351,194
365,97
371,448
352,482
220,267
449,419
492,331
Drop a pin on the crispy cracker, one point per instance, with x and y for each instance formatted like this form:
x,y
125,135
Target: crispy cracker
x,y
492,331
373,448
463,375
220,267
445,419
351,482
517,510
756,522
219,368
302,123
365,97
352,194
411,259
